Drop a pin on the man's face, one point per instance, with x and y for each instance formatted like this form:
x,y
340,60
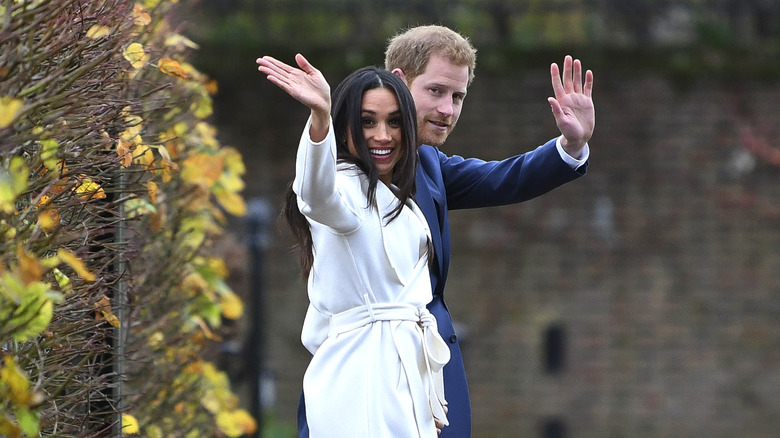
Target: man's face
x,y
438,96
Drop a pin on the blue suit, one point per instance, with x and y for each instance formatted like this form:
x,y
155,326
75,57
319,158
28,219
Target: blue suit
x,y
452,183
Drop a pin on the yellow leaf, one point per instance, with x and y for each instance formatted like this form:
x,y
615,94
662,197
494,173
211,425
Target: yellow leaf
x,y
16,381
104,307
151,190
62,280
231,305
143,155
140,16
154,431
166,170
202,169
202,108
228,425
135,54
8,428
89,189
245,421
180,42
129,424
134,125
30,269
96,32
48,219
9,109
172,68
123,150
74,262
49,153
232,202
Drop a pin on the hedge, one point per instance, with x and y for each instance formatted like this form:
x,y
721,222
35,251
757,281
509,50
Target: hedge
x,y
113,188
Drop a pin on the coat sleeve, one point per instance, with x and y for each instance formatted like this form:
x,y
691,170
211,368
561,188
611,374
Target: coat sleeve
x,y
474,183
316,184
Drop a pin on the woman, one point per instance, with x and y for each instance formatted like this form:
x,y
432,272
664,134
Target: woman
x,y
376,369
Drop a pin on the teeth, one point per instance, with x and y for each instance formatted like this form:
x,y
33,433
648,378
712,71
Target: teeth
x,y
381,151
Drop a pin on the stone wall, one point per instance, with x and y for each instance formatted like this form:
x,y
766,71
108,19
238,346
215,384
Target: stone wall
x,y
640,301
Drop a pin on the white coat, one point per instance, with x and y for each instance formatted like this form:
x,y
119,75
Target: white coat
x,y
376,369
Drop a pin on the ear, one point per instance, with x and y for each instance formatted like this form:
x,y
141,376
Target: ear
x,y
400,73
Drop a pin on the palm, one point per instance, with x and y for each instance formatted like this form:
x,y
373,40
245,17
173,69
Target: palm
x,y
572,105
305,84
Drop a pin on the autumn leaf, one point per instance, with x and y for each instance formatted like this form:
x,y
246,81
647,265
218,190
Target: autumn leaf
x,y
143,155
48,219
14,379
140,16
30,269
151,190
89,189
231,305
104,307
202,108
172,68
49,149
202,169
232,202
123,151
13,181
180,42
97,32
62,280
74,262
135,54
129,424
9,109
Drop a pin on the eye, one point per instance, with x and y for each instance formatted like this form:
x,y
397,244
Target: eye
x,y
367,121
396,122
458,97
434,90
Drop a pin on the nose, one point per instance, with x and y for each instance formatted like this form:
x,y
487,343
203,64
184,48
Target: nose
x,y
446,107
382,133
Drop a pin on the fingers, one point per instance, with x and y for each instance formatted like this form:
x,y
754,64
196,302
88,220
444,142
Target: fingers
x,y
577,76
588,90
571,80
276,71
556,80
304,64
567,75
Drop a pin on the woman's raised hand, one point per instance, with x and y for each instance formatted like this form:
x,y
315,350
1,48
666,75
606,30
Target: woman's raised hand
x,y
306,84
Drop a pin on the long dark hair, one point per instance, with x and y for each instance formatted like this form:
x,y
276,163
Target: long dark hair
x,y
346,111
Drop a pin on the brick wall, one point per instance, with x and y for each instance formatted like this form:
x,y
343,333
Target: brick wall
x,y
640,301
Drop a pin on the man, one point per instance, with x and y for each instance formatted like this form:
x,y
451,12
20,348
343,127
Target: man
x,y
438,65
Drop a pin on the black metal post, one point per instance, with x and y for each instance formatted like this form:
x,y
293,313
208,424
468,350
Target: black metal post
x,y
259,219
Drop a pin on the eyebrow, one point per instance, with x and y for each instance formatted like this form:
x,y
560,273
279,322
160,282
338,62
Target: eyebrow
x,y
397,112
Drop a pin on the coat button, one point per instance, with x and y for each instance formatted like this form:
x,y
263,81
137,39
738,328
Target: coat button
x,y
453,339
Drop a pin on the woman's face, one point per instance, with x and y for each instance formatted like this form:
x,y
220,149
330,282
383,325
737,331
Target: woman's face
x,y
381,120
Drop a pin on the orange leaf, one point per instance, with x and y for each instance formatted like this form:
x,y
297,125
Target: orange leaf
x,y
172,68
29,267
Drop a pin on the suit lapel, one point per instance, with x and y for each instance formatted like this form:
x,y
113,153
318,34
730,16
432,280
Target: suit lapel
x,y
430,208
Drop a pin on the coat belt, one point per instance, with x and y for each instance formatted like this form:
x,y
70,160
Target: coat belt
x,y
435,350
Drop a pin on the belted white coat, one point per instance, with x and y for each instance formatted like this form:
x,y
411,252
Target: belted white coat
x,y
377,353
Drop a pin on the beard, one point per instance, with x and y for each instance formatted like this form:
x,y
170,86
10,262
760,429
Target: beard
x,y
433,137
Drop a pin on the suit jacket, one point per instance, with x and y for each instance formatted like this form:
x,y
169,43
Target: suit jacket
x,y
450,183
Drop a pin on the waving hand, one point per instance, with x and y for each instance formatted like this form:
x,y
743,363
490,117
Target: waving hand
x,y
572,105
306,84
